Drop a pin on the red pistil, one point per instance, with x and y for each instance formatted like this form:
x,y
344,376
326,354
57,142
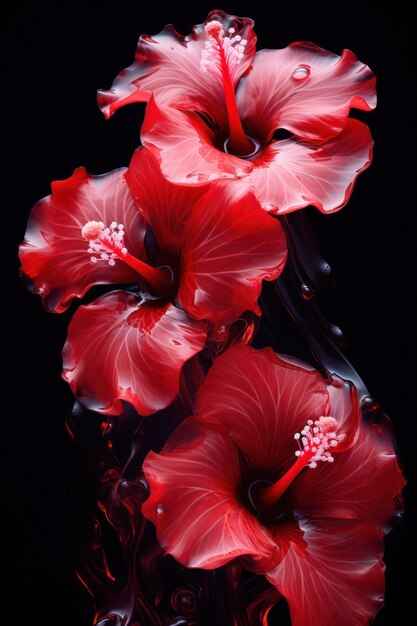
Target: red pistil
x,y
317,438
109,244
217,58
158,279
268,496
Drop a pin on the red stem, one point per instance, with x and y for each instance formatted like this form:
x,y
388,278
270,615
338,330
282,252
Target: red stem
x,y
269,496
158,279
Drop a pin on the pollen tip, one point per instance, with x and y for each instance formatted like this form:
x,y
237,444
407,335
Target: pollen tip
x,y
105,241
327,424
214,28
92,230
222,51
316,438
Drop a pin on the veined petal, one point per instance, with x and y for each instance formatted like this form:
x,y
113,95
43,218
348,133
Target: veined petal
x,y
291,174
226,242
167,65
364,483
164,206
262,401
229,246
306,90
54,254
194,484
331,572
118,349
324,548
186,147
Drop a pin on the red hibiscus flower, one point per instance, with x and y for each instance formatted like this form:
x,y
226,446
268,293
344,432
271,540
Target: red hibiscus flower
x,y
277,467
214,107
214,251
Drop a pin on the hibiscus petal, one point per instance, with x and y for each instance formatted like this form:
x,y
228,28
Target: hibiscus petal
x,y
228,248
262,401
167,65
118,349
54,255
185,147
346,410
164,206
194,484
330,573
358,485
290,174
305,89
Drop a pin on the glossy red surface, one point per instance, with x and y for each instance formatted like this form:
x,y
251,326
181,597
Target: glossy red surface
x,y
194,120
54,254
321,544
119,349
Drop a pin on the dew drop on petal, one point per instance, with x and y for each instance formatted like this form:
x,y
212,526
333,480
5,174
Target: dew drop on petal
x,y
160,510
301,73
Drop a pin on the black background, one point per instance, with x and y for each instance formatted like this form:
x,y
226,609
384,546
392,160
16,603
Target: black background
x,y
54,57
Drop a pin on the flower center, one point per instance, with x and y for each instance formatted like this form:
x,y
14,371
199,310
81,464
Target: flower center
x,y
316,441
221,57
106,244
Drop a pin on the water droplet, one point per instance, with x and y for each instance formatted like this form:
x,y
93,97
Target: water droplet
x,y
301,73
307,292
336,331
160,510
368,403
326,269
